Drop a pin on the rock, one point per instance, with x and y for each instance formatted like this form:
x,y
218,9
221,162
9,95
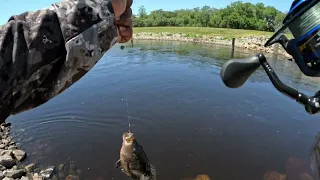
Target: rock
x,y
273,175
19,154
72,177
7,152
7,161
202,177
305,176
36,176
54,178
61,175
15,167
12,147
15,173
78,172
24,178
7,178
6,124
5,141
47,172
29,168
1,175
2,146
2,168
60,167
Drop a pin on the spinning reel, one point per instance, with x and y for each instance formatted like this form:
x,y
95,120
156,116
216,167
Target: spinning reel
x,y
303,21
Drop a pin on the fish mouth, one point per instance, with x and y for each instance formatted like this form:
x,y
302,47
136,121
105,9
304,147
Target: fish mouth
x,y
128,137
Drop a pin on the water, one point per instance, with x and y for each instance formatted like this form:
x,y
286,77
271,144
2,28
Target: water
x,y
188,122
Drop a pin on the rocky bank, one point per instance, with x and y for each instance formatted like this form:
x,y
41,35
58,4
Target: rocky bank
x,y
12,168
255,43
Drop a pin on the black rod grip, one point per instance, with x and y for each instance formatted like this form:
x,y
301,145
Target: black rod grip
x,y
235,72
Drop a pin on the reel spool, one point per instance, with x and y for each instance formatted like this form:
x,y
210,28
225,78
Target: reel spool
x,y
303,21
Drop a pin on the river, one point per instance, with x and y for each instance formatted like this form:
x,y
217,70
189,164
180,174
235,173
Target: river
x,y
188,122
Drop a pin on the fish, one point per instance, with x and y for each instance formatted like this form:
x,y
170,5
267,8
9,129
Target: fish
x,y
133,160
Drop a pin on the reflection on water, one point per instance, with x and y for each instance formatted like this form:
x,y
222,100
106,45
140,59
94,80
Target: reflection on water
x,y
188,122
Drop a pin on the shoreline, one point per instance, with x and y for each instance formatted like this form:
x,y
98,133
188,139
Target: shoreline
x,y
13,166
254,42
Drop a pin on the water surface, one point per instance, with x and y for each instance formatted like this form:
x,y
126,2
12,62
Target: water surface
x,y
188,122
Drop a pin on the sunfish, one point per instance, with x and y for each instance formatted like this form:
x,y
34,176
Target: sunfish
x,y
133,160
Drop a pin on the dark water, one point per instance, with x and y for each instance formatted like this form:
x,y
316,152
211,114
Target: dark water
x,y
188,122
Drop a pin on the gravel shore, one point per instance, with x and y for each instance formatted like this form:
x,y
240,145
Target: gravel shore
x,y
13,168
255,43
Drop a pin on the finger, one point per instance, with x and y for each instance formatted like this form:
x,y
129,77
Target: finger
x,y
126,14
129,3
125,31
124,22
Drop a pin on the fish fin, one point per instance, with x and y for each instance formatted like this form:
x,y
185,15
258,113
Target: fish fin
x,y
118,164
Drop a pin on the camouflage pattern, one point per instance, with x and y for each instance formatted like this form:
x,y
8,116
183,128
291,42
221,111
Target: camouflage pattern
x,y
44,52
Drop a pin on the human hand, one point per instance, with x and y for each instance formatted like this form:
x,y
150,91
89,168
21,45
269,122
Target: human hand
x,y
123,12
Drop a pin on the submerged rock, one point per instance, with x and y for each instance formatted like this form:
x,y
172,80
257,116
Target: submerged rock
x,y
60,167
36,176
202,177
19,154
7,161
47,172
29,168
72,177
273,175
15,173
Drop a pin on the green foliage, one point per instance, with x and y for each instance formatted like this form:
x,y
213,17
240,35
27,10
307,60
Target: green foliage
x,y
237,15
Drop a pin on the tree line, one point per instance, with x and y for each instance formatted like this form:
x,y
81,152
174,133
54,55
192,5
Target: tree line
x,y
237,15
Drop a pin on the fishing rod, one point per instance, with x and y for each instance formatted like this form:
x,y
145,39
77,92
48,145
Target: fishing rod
x,y
303,21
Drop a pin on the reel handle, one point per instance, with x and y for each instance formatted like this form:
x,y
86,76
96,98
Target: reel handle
x,y
235,72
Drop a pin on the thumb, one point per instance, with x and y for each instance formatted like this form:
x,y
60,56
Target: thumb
x,y
119,6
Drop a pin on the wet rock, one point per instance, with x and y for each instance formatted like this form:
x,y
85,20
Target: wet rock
x,y
7,178
5,141
273,175
24,178
202,177
1,175
5,124
61,175
72,177
72,172
47,172
305,176
7,161
36,176
12,147
60,167
14,173
30,167
78,172
7,152
19,154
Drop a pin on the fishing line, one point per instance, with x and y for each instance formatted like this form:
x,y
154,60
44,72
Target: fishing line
x,y
305,23
129,124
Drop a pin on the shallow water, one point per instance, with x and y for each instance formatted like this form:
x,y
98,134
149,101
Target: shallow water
x,y
188,122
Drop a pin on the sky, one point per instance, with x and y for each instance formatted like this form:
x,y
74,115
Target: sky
x,y
14,7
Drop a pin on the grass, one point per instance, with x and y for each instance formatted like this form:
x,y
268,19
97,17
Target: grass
x,y
200,31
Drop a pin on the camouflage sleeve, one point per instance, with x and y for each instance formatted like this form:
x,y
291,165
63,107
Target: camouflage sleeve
x,y
44,52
